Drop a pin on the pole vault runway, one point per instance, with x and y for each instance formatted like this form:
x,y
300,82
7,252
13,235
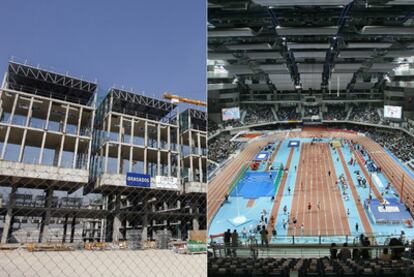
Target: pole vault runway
x,y
315,185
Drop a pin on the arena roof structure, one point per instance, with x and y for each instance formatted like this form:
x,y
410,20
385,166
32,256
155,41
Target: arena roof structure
x,y
300,45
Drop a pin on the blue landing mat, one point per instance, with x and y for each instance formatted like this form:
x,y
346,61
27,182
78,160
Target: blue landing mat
x,y
254,185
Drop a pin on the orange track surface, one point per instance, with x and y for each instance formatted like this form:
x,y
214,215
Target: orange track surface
x,y
362,214
279,195
318,186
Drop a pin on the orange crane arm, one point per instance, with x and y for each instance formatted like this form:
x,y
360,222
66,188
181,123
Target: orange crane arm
x,y
170,96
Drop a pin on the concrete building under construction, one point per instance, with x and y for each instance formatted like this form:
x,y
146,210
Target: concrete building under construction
x,y
139,163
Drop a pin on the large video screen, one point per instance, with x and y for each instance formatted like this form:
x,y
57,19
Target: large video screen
x,y
230,113
392,112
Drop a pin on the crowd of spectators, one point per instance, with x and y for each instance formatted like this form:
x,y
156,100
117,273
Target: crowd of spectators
x,y
365,114
335,113
398,142
212,127
232,123
258,114
288,113
220,148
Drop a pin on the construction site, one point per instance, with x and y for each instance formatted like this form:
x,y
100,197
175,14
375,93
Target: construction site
x,y
118,171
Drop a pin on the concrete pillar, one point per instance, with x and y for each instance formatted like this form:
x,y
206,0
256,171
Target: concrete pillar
x,y
110,218
1,95
158,149
65,228
72,229
108,130
145,147
23,142
196,225
165,206
42,147
120,139
144,234
117,219
179,234
179,227
200,161
102,231
169,151
179,151
131,142
44,226
75,152
56,155
62,143
191,169
88,160
8,222
6,138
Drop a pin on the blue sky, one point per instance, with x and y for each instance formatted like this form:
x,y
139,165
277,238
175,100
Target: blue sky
x,y
150,46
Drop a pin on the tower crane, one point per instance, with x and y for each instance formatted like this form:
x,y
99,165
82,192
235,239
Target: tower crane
x,y
177,98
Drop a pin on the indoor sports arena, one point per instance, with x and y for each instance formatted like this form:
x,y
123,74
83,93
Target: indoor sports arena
x,y
311,138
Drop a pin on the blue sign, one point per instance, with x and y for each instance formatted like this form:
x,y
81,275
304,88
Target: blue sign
x,y
138,180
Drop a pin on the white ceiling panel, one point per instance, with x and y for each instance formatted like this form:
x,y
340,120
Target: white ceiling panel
x,y
355,54
305,46
310,68
309,54
264,55
382,67
219,75
387,30
282,81
357,45
339,80
400,54
239,69
311,80
220,56
401,2
269,68
302,2
253,46
234,32
310,31
221,86
342,67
